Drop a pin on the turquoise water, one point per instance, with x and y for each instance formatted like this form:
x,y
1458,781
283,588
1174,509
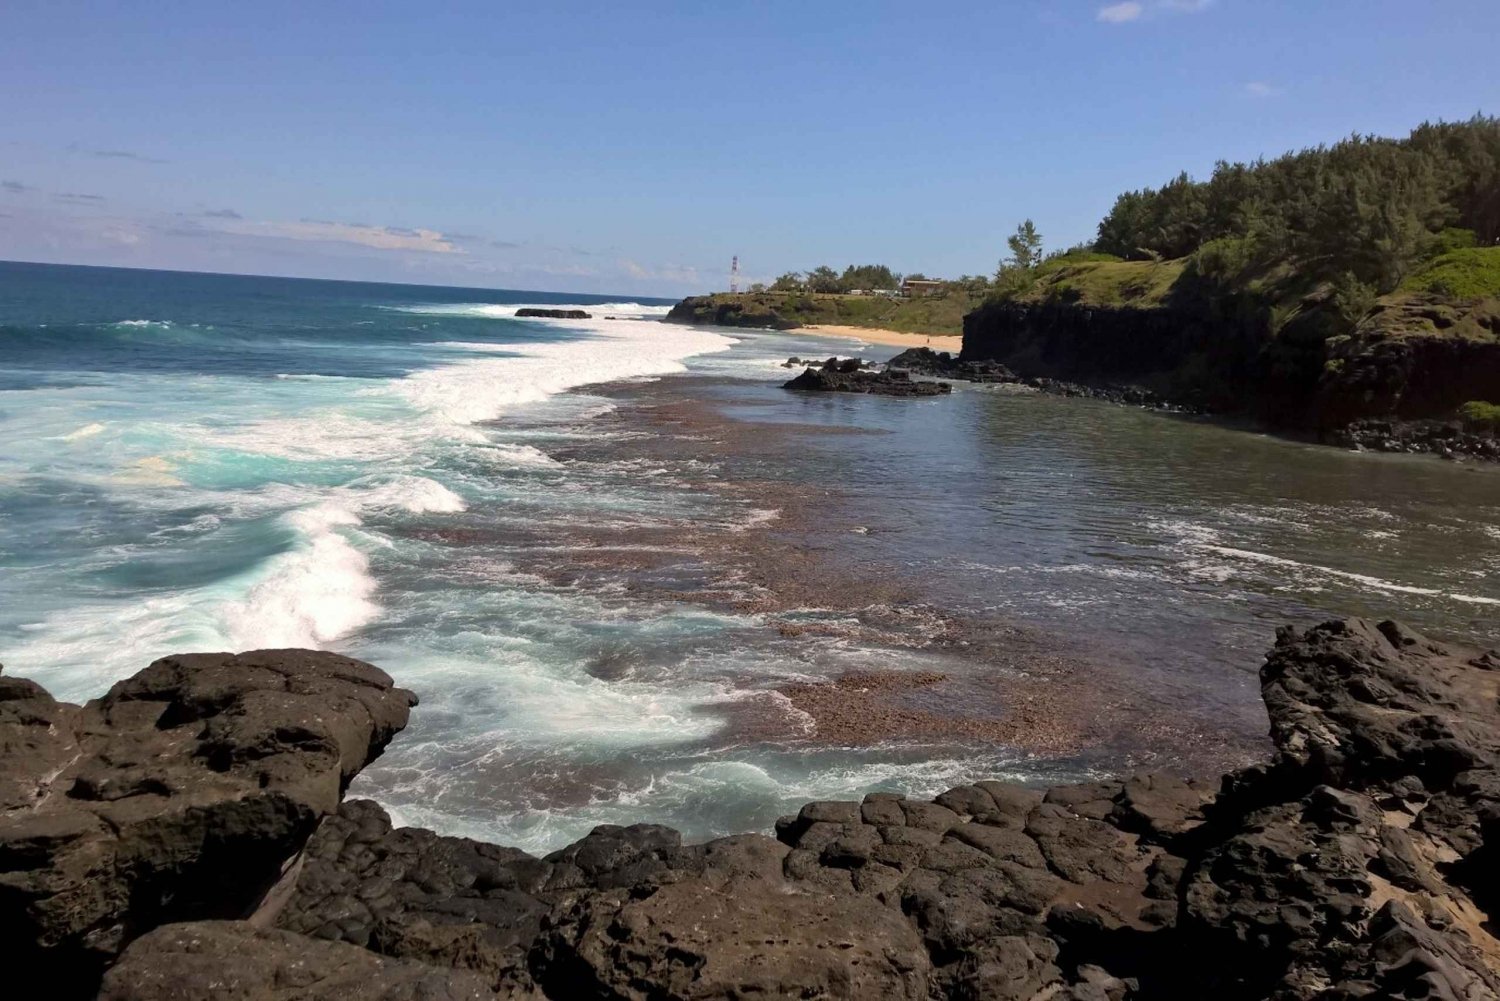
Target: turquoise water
x,y
204,462
198,462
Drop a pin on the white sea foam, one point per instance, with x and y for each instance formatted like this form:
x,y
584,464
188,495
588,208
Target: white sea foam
x,y
483,388
415,494
87,431
1359,578
523,455
160,324
495,311
316,593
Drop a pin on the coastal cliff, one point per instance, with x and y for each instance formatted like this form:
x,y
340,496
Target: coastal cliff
x,y
1414,358
182,837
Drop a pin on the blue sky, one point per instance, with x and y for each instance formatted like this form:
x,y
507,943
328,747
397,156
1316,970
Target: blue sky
x,y
634,147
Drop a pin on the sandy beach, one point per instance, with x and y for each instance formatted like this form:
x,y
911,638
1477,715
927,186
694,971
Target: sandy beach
x,y
894,338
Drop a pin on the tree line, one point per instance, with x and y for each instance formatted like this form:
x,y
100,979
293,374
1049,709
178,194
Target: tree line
x,y
1361,212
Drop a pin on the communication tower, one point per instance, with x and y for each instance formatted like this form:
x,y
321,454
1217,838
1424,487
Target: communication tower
x,y
734,274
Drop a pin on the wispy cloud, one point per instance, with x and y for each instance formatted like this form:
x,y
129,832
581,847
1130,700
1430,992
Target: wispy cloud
x,y
16,187
73,198
113,154
428,241
1259,88
123,154
660,272
221,214
1119,13
1134,10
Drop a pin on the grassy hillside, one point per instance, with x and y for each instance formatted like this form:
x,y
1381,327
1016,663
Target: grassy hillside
x,y
1469,274
1141,284
940,315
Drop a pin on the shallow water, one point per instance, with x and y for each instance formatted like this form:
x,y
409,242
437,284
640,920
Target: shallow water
x,y
593,600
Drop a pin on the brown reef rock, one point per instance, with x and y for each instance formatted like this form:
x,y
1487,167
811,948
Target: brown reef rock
x,y
1358,862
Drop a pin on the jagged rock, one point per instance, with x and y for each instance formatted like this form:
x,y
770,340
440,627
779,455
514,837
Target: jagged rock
x,y
233,961
181,794
1358,862
838,378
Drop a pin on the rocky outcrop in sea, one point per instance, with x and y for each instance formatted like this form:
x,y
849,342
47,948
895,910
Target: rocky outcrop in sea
x,y
182,837
847,376
534,312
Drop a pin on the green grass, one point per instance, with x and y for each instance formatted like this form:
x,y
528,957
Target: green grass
x,y
1473,273
1141,284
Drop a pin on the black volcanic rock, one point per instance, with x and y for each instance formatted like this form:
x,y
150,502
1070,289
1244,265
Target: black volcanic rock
x,y
846,376
553,314
183,793
1358,862
941,364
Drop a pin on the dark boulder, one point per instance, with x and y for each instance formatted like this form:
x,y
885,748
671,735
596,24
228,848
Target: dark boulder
x,y
941,364
184,793
553,314
845,377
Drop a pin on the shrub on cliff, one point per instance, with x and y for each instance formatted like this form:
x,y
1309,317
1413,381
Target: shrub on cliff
x,y
1462,274
1479,416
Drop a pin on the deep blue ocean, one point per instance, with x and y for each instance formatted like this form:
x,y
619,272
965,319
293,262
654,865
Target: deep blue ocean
x,y
205,462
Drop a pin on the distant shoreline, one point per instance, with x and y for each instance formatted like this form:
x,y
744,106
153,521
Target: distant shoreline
x,y
877,335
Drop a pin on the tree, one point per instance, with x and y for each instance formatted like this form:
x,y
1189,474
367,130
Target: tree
x,y
867,276
823,279
757,287
789,282
1025,247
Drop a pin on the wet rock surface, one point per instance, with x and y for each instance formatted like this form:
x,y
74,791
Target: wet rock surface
x,y
846,376
1449,439
1359,861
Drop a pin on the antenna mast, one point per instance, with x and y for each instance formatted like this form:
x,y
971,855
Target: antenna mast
x,y
734,274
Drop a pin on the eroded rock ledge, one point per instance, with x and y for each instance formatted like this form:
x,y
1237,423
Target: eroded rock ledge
x,y
1359,861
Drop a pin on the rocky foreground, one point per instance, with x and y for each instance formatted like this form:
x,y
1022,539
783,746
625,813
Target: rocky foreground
x,y
183,838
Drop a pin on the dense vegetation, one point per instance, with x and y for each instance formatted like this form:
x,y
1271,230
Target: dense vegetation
x,y
855,277
936,314
1363,213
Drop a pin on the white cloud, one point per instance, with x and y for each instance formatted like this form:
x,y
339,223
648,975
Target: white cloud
x,y
1119,13
661,272
1134,10
428,241
1259,88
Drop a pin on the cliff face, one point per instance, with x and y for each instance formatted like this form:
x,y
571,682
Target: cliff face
x,y
1358,861
1299,378
1415,358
